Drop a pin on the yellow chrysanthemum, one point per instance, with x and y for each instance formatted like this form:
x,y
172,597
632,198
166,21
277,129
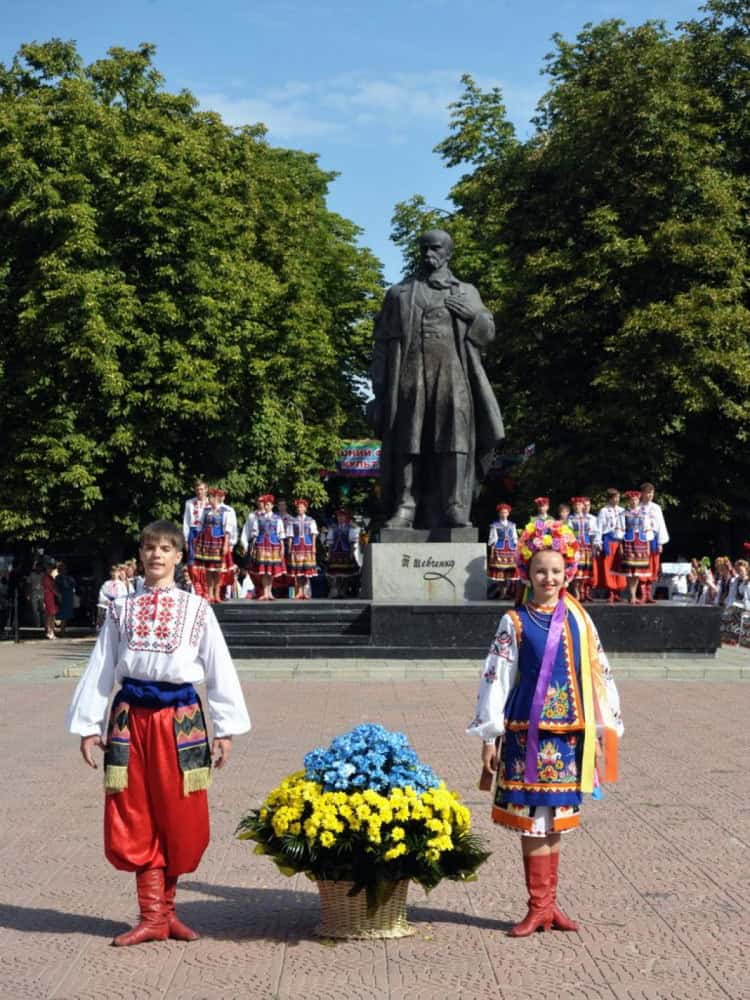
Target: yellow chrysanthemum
x,y
327,839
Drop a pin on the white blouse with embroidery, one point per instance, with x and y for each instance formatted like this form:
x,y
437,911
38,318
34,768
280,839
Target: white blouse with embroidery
x,y
500,674
160,634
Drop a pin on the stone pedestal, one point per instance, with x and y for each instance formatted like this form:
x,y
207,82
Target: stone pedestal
x,y
442,534
424,572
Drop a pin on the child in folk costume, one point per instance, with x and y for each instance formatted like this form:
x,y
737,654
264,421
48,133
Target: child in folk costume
x,y
586,529
542,510
267,548
659,538
211,547
157,761
229,570
636,545
563,512
501,551
611,527
110,590
301,563
547,691
344,559
192,525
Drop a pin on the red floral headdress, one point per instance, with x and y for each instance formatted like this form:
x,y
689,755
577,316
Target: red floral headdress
x,y
267,498
302,500
503,506
541,500
554,536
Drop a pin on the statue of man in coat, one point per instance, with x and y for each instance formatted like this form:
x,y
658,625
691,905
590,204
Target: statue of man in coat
x,y
434,407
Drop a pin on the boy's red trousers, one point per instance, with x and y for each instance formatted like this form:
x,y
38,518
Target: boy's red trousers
x,y
151,823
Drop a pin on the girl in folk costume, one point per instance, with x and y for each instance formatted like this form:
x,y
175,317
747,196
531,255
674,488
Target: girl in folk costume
x,y
542,510
211,547
563,512
229,570
157,765
344,558
611,528
636,545
659,538
192,525
267,548
301,562
547,691
586,530
502,544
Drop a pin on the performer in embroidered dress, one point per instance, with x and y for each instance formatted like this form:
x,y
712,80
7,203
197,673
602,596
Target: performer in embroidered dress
x,y
611,528
267,548
344,559
563,512
586,530
229,570
211,547
542,510
301,565
659,538
546,689
192,524
501,551
636,545
157,762
109,590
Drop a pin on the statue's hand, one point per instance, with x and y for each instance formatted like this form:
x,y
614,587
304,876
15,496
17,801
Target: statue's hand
x,y
459,306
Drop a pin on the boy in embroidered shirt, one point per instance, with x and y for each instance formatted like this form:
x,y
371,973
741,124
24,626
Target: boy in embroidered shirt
x,y
157,644
547,690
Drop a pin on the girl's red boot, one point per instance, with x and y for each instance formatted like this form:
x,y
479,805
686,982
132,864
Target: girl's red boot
x,y
537,870
560,921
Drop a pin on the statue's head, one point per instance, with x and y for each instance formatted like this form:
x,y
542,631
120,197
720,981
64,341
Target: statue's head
x,y
435,249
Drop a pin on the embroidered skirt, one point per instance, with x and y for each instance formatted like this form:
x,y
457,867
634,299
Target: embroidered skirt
x,y
585,569
342,563
209,550
302,560
501,564
267,558
636,558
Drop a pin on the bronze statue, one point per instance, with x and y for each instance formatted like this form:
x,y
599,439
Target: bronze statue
x,y
434,407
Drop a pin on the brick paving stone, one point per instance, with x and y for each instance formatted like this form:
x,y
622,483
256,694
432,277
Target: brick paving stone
x,y
657,876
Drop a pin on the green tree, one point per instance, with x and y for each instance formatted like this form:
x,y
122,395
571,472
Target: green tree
x,y
176,299
613,247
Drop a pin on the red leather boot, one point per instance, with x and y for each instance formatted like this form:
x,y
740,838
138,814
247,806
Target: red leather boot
x,y
537,870
177,930
153,925
559,920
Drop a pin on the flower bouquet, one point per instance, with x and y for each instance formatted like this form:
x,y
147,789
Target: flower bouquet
x,y
364,818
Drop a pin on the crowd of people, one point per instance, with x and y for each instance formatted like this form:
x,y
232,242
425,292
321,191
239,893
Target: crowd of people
x,y
619,548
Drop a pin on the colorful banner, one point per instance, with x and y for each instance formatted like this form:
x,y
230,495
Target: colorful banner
x,y
359,458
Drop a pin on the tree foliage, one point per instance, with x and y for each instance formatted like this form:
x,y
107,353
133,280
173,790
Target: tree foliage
x,y
612,245
175,300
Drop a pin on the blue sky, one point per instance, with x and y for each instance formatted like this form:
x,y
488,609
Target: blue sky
x,y
365,85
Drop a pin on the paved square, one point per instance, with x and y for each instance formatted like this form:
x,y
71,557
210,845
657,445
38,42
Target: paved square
x,y
658,876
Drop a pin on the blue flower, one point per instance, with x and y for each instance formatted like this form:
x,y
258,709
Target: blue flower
x,y
369,756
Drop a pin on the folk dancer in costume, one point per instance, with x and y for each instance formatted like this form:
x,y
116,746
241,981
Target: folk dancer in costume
x,y
267,548
501,551
157,761
229,570
542,510
657,542
546,691
192,525
586,529
611,527
281,584
563,512
735,620
344,559
211,547
109,591
301,562
636,545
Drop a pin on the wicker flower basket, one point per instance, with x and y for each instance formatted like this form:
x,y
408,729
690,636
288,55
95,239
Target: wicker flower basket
x,y
344,916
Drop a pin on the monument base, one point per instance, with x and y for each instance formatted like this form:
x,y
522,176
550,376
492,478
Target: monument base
x,y
422,572
467,533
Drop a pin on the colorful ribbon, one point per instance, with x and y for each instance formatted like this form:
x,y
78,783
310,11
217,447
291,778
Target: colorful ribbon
x,y
551,647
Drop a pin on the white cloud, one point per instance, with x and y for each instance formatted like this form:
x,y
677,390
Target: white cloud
x,y
336,107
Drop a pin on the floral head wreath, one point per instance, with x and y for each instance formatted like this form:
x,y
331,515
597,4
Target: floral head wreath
x,y
301,500
541,500
575,500
267,498
503,506
217,491
555,536
633,494
344,511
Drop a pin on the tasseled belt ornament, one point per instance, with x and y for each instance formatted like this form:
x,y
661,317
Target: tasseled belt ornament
x,y
191,737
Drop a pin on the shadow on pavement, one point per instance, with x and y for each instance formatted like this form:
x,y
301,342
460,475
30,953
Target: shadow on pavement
x,y
42,921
